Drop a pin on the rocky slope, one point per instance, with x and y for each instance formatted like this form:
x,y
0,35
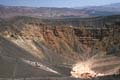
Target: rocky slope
x,y
34,45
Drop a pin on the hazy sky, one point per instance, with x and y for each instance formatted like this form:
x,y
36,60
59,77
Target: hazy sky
x,y
56,3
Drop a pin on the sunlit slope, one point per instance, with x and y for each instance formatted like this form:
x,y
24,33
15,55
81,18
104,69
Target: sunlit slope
x,y
106,64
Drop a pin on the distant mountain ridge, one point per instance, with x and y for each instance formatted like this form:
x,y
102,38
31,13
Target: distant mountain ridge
x,y
115,5
48,12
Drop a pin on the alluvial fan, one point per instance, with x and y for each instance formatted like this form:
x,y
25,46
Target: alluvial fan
x,y
97,66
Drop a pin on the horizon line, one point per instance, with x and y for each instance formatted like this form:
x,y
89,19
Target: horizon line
x,y
54,6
